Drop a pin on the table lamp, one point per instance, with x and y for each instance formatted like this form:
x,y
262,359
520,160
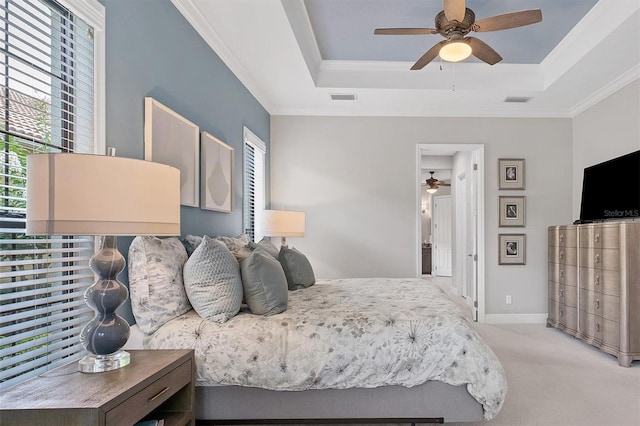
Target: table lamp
x,y
83,194
281,223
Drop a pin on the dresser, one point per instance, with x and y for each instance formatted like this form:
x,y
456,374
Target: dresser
x,y
594,285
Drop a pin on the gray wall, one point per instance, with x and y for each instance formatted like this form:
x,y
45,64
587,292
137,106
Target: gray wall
x,y
355,178
151,50
609,129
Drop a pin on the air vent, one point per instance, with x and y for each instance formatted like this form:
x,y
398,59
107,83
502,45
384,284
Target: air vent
x,y
343,96
517,99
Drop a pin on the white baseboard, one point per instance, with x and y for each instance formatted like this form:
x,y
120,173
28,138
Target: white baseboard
x,y
515,318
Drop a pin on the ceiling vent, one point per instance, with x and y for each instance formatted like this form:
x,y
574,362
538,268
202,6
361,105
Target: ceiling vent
x,y
343,96
517,99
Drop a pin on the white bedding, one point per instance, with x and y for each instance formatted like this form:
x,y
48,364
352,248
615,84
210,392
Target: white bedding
x,y
343,334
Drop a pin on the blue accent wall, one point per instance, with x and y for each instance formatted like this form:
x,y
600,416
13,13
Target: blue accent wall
x,y
151,50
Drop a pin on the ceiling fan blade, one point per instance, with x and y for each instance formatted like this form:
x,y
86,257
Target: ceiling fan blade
x,y
428,56
508,20
444,184
483,51
404,31
455,10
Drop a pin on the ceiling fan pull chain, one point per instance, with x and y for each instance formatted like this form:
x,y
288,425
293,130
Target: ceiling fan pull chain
x,y
453,79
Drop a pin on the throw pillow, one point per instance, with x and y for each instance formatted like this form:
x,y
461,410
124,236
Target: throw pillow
x,y
155,281
237,245
264,283
266,244
212,280
296,268
191,243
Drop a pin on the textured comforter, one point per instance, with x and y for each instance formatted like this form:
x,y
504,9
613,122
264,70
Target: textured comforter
x,y
342,334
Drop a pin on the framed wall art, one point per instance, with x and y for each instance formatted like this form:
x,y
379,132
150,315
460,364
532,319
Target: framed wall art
x,y
511,211
511,249
510,173
216,174
171,139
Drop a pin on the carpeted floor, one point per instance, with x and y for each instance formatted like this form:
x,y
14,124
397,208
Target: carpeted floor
x,y
556,379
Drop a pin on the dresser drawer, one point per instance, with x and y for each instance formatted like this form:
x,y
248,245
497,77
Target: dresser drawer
x,y
611,333
591,302
602,280
611,307
569,295
150,397
553,290
591,326
554,311
569,317
562,236
608,259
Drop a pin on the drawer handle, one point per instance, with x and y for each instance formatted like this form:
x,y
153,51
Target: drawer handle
x,y
561,291
597,279
597,303
561,254
561,237
561,312
561,273
597,238
159,393
597,258
597,327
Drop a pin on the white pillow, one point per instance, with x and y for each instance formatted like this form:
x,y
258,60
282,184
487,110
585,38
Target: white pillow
x,y
212,281
155,281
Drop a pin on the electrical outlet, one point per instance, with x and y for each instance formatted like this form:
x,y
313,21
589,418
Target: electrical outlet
x,y
509,300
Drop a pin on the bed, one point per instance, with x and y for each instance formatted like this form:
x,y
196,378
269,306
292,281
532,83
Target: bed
x,y
375,349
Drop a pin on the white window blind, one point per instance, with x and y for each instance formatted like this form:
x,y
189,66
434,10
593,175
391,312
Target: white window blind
x,y
254,181
46,105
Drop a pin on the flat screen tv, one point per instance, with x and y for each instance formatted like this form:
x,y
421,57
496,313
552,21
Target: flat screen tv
x,y
611,190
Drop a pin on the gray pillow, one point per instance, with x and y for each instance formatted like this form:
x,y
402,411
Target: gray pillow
x,y
264,283
266,244
191,243
296,268
155,281
212,281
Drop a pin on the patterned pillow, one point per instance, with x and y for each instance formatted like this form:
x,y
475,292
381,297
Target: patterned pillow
x,y
264,283
212,280
155,281
296,268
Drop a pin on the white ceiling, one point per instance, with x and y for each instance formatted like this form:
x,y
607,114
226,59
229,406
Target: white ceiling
x,y
579,54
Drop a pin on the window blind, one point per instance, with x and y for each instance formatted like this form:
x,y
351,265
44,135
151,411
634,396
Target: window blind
x,y
46,105
254,181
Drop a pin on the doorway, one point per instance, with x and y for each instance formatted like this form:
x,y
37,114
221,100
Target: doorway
x,y
468,268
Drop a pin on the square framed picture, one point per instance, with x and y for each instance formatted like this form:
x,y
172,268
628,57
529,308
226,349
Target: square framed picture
x,y
171,139
512,211
512,249
510,173
216,170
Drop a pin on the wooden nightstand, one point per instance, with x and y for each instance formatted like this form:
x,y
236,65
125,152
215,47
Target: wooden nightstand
x,y
158,384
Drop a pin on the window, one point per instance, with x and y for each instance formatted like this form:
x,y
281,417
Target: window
x,y
254,181
47,104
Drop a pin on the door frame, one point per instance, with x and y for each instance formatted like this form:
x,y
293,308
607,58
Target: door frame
x,y
477,151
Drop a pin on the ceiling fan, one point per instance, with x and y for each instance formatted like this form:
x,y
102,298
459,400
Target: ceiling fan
x,y
434,184
454,23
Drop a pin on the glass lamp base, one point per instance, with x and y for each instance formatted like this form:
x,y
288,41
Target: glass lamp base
x,y
101,363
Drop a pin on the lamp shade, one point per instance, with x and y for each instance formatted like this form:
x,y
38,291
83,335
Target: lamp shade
x,y
83,194
280,223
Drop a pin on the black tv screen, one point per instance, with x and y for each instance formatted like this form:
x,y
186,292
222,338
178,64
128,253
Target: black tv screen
x,y
611,190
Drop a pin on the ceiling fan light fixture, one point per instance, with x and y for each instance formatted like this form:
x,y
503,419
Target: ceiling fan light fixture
x,y
455,51
432,190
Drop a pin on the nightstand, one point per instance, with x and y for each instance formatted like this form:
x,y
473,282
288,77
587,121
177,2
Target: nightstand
x,y
157,384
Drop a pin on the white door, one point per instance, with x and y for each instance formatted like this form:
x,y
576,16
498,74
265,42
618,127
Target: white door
x,y
472,257
461,245
441,251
